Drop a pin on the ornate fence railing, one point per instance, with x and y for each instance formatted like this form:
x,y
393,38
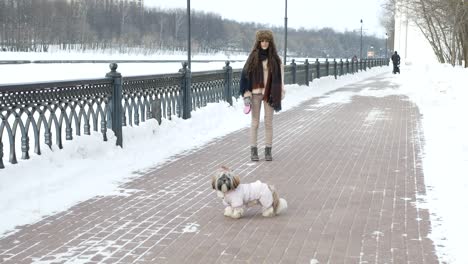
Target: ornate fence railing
x,y
54,111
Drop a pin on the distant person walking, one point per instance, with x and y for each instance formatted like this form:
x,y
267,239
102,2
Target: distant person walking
x,y
396,63
262,81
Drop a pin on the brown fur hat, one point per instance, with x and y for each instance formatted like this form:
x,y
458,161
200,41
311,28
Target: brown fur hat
x,y
264,35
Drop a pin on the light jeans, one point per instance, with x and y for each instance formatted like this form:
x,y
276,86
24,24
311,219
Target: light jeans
x,y
256,104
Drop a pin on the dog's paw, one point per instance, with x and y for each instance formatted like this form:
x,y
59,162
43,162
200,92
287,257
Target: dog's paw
x,y
268,212
228,211
237,213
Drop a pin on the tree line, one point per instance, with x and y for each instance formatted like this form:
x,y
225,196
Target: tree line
x,y
38,25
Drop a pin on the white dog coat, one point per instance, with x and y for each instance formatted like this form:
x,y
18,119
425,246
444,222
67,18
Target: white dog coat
x,y
247,193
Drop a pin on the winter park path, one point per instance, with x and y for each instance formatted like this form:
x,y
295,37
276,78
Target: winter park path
x,y
351,173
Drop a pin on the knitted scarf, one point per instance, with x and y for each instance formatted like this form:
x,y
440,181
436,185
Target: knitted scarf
x,y
272,93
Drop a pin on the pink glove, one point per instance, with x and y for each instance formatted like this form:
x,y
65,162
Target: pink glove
x,y
247,105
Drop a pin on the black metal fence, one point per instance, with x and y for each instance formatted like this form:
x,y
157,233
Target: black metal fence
x,y
59,110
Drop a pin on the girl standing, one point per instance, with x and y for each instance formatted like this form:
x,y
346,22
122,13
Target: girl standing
x,y
262,81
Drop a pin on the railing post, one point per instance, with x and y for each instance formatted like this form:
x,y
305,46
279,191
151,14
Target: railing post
x,y
317,63
327,68
293,64
347,66
185,86
25,147
116,103
365,64
228,83
306,63
341,67
335,68
2,166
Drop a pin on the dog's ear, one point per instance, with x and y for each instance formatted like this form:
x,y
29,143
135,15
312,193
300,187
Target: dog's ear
x,y
235,181
213,182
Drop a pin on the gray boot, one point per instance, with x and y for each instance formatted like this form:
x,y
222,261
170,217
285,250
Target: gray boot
x,y
268,156
254,154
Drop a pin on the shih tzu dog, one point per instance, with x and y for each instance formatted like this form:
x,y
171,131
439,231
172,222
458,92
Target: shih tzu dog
x,y
236,195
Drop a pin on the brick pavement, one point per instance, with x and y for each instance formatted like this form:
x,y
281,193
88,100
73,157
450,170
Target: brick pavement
x,y
351,174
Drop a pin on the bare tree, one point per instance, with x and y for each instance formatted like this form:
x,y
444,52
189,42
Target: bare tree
x,y
387,20
443,23
179,17
463,32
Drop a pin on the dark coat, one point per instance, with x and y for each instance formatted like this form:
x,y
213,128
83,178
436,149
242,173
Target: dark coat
x,y
273,89
396,59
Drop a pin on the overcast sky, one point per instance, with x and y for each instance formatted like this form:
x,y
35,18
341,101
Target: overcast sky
x,y
340,15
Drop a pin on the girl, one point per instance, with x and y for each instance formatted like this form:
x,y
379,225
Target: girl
x,y
262,81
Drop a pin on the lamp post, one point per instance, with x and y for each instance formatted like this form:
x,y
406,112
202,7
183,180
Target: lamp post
x,y
285,30
360,54
189,63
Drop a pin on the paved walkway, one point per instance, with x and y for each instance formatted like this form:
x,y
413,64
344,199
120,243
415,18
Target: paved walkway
x,y
351,174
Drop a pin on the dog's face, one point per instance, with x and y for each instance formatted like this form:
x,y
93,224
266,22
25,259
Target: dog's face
x,y
225,181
